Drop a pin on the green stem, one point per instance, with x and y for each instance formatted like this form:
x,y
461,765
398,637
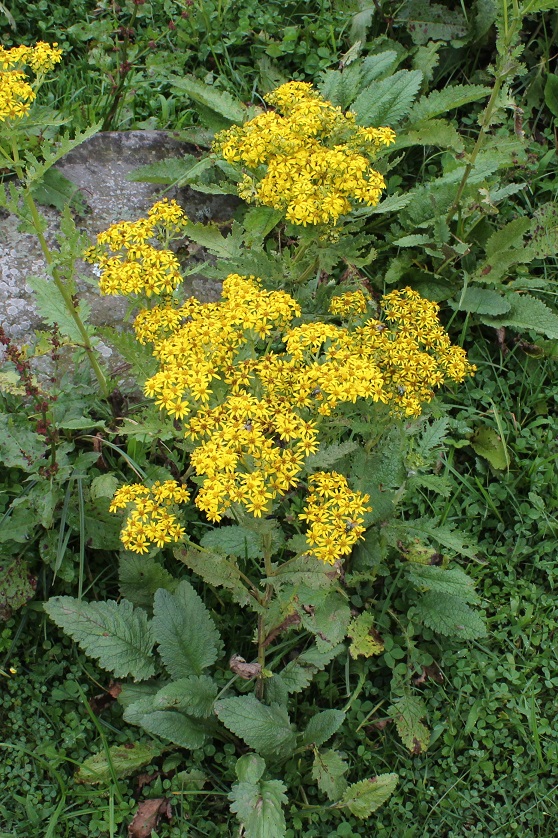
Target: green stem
x,y
268,548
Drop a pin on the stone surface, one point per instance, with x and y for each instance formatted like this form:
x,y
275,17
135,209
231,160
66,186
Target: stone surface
x,y
98,168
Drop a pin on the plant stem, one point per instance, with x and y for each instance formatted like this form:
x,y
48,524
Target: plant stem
x,y
267,547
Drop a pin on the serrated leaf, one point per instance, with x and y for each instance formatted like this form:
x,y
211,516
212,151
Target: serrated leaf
x,y
184,629
378,65
488,443
175,171
249,768
363,798
533,6
216,570
20,446
258,807
176,727
194,696
140,577
218,101
259,222
392,203
56,190
121,761
341,87
441,101
428,21
544,231
53,309
527,312
328,770
299,672
388,101
15,585
449,616
436,132
322,726
432,437
327,620
235,541
267,730
509,236
413,240
328,455
407,714
114,633
210,237
365,639
305,570
446,581
483,301
426,529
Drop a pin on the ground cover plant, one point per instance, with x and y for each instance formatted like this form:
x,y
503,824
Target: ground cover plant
x,y
300,460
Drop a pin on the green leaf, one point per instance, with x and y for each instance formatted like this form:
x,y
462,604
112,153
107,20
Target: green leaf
x,y
427,529
53,309
120,761
414,240
432,437
544,231
363,798
528,312
532,6
258,807
328,455
407,714
194,696
449,616
436,132
340,87
249,768
365,638
210,237
56,190
428,21
175,171
216,570
388,101
376,66
452,581
15,585
177,728
267,730
298,673
327,619
392,203
488,443
140,577
218,101
304,570
322,726
235,541
259,222
187,637
328,770
483,301
20,446
113,633
441,101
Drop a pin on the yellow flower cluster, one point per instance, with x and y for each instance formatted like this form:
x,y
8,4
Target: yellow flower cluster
x,y
129,263
316,159
352,302
334,515
16,94
150,521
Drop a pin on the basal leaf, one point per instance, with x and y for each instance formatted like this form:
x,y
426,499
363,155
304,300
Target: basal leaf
x,y
194,696
447,581
388,101
267,730
365,638
435,132
428,21
124,760
322,726
528,313
176,727
140,577
328,770
210,97
363,798
114,633
216,570
488,443
20,446
441,101
299,672
16,586
449,616
259,808
184,629
249,768
484,301
407,714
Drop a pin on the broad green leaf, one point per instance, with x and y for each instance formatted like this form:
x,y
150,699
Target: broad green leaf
x,y
447,581
407,714
53,309
528,313
449,616
322,726
441,101
176,727
20,446
392,203
267,730
122,759
413,240
113,633
328,770
305,570
299,672
259,222
378,65
432,437
194,696
388,101
210,97
365,638
428,21
427,529
188,639
363,798
216,570
328,455
328,619
210,237
56,190
235,541
488,443
483,301
544,231
15,585
258,807
173,170
249,768
509,236
436,132
340,87
140,577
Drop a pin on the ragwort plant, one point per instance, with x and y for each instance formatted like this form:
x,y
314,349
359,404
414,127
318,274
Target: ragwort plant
x,y
264,397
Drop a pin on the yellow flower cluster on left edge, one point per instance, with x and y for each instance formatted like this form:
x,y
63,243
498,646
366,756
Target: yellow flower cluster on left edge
x,y
150,521
16,93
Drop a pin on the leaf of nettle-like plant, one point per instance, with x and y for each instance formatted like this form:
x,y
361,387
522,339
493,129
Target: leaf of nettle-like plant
x,y
176,727
259,808
194,695
441,101
266,729
487,443
210,97
527,312
387,102
453,581
326,617
483,301
407,714
121,760
173,170
435,132
328,455
120,637
328,770
298,673
428,21
216,570
20,446
184,629
235,541
504,248
364,797
427,529
53,309
322,726
140,577
249,768
449,615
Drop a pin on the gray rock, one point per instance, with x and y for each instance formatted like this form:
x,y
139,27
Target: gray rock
x,y
98,168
